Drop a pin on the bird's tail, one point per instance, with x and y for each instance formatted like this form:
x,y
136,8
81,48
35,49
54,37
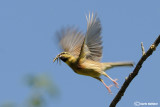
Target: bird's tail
x,y
109,65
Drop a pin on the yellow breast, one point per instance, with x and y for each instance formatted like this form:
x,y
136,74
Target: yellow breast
x,y
88,68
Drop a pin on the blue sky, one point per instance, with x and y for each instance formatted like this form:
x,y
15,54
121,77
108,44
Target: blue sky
x,y
27,30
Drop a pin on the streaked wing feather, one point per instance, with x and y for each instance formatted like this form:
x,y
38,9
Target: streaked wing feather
x,y
93,38
71,40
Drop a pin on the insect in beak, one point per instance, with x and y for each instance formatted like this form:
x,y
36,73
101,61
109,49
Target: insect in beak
x,y
57,58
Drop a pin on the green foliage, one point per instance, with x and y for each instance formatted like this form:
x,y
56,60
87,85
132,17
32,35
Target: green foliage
x,y
41,87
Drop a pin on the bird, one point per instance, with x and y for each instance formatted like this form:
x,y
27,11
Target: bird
x,y
82,52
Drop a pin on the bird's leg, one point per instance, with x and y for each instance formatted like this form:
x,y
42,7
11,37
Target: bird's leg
x,y
108,87
114,81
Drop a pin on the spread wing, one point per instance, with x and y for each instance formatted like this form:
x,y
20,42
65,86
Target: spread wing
x,y
93,39
70,40
90,46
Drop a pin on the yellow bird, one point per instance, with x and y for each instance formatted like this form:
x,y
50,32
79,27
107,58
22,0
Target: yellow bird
x,y
83,52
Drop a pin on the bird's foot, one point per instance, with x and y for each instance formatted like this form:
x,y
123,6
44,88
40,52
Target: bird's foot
x,y
108,88
115,83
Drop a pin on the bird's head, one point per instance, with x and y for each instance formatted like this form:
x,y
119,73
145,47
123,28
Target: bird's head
x,y
65,57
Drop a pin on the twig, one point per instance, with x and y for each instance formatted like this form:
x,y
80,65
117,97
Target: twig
x,y
135,72
142,47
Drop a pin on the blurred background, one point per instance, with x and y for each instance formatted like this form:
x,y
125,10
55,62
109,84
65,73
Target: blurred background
x,y
28,76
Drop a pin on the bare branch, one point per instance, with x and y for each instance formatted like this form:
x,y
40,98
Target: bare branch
x,y
135,72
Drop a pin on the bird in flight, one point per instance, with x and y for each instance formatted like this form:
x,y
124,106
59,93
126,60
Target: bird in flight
x,y
83,52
